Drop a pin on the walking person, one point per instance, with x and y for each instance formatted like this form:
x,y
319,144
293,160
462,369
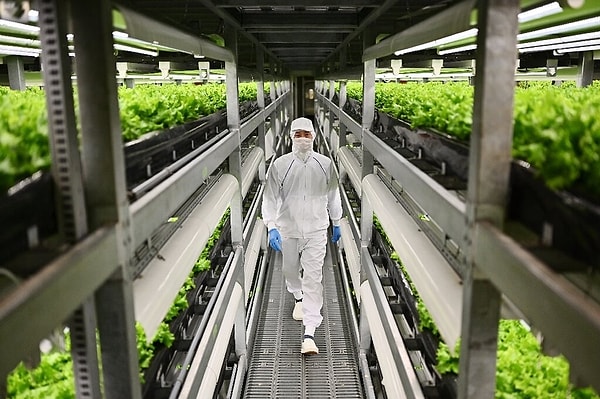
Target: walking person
x,y
301,196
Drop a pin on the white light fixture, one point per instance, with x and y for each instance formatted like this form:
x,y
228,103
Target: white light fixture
x,y
120,35
593,22
33,15
540,12
22,51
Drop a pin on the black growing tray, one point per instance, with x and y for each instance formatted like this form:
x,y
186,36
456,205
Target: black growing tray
x,y
573,220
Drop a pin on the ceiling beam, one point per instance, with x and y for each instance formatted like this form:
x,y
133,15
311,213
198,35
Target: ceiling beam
x,y
304,3
298,19
295,38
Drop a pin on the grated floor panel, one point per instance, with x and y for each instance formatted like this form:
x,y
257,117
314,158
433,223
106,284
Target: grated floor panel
x,y
277,369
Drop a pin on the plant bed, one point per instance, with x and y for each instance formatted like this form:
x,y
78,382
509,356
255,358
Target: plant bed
x,y
28,213
563,221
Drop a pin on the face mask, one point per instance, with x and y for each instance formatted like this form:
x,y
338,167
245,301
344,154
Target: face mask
x,y
302,144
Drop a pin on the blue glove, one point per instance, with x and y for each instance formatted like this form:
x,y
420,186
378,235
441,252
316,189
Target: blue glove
x,y
337,234
275,239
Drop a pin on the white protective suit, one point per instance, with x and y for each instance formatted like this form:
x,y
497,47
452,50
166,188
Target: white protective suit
x,y
301,196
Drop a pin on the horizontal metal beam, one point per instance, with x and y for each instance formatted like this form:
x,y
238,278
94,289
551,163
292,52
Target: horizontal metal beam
x,y
448,211
45,300
398,372
304,3
150,30
211,349
450,21
154,208
307,37
566,316
299,18
300,29
317,48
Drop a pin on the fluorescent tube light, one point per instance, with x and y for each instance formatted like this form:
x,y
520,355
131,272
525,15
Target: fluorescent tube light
x,y
540,12
561,46
19,27
120,35
23,51
20,41
444,40
576,49
525,16
558,40
457,49
564,28
138,50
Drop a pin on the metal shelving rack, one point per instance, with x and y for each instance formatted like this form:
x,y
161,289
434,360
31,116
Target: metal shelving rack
x,y
89,286
494,265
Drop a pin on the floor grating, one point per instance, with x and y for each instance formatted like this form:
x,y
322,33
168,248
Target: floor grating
x,y
278,370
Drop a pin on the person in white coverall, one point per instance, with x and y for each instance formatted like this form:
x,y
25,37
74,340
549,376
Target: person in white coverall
x,y
301,196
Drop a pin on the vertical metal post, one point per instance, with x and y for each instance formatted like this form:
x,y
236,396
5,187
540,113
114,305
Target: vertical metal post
x,y
233,122
16,73
586,69
235,168
368,111
343,99
67,173
105,189
260,98
489,168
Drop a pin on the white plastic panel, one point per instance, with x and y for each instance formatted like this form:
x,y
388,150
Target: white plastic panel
x,y
156,288
392,380
250,167
352,256
351,167
251,255
218,350
437,283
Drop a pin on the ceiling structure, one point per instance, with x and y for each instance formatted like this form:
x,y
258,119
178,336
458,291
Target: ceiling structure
x,y
324,38
302,37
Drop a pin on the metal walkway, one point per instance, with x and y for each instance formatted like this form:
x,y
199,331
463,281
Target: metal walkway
x,y
278,370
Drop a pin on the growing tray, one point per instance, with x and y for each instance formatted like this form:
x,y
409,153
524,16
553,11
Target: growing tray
x,y
562,221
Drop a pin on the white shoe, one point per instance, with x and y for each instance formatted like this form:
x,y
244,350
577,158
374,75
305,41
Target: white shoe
x,y
309,347
298,314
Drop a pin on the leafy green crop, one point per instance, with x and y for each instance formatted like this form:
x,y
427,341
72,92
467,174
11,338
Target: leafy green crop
x,y
556,128
51,379
24,146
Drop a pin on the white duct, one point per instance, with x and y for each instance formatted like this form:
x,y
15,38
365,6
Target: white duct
x,y
251,255
437,283
157,286
251,164
217,351
351,167
352,256
389,369
269,143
